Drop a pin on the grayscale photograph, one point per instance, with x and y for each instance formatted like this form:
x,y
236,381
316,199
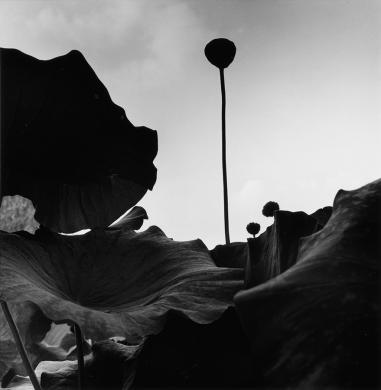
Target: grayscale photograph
x,y
190,194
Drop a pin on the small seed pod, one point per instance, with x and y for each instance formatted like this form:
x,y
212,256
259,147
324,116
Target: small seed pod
x,y
253,228
269,209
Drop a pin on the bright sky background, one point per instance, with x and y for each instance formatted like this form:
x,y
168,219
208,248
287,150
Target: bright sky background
x,y
303,96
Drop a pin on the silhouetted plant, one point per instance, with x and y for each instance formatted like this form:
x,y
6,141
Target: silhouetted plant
x,y
220,52
269,209
47,161
253,228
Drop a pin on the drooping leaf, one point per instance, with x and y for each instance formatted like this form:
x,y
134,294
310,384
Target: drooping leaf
x,y
39,350
317,324
58,368
115,282
276,249
32,325
60,344
131,221
67,146
272,252
111,365
20,382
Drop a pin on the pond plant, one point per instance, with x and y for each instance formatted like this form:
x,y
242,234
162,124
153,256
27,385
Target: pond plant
x,y
221,52
88,171
301,310
67,147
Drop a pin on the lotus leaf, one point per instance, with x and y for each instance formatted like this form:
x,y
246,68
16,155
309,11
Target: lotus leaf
x,y
32,325
66,146
317,324
115,282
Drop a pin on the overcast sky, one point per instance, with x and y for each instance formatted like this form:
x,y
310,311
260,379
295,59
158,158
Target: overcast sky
x,y
303,96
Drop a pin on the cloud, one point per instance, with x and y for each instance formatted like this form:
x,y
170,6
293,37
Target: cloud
x,y
97,26
150,39
250,192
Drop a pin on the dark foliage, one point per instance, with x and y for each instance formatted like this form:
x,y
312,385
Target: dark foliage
x,y
111,365
189,354
317,324
69,148
233,255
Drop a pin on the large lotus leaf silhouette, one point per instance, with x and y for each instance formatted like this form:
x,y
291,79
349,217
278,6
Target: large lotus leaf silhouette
x,y
317,324
67,146
115,282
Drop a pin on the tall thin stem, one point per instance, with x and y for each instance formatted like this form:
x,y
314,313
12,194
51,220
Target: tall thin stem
x,y
20,346
80,358
224,174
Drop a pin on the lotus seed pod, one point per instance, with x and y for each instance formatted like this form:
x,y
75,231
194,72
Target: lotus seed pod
x,y
253,228
220,52
269,209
